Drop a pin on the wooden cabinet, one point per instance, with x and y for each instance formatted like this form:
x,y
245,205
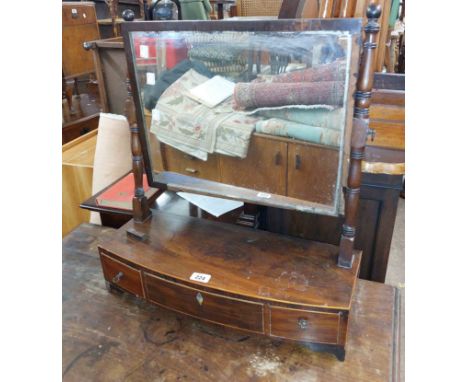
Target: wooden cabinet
x,y
79,24
273,164
312,172
268,157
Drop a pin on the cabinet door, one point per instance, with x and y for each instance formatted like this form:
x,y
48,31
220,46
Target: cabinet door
x,y
185,164
312,172
264,168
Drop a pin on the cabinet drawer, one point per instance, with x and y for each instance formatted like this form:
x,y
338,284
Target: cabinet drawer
x,y
207,306
182,163
122,275
303,325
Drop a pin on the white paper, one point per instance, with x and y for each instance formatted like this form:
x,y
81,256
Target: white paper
x,y
144,51
214,206
213,92
150,78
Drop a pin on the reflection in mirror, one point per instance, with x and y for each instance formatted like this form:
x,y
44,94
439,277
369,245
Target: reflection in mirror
x,y
260,110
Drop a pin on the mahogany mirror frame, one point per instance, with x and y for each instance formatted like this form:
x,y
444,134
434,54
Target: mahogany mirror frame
x,y
190,184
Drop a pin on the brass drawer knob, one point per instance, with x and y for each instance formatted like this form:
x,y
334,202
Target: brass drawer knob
x,y
302,323
117,277
199,298
191,170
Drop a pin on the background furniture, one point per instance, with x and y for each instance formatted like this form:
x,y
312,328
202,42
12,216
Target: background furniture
x,y
109,336
111,72
73,128
323,9
220,7
77,179
109,15
387,118
79,111
79,24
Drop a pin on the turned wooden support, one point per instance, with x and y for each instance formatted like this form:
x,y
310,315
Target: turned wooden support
x,y
359,136
347,8
143,6
326,9
141,210
113,10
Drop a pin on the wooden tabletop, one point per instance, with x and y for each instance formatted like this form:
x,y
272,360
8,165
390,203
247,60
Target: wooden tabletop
x,y
115,337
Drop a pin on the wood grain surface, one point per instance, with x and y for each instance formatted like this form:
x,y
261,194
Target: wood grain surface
x,y
75,31
242,262
216,308
263,169
116,337
77,178
387,118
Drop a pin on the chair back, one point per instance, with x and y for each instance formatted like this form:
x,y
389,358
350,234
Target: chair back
x,y
258,7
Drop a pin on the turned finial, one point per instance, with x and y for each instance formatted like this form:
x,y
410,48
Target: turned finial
x,y
373,11
128,15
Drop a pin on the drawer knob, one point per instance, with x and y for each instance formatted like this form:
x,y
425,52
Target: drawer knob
x,y
199,298
191,170
298,162
302,323
278,159
117,277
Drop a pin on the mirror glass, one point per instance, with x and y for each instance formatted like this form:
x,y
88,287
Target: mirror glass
x,y
265,111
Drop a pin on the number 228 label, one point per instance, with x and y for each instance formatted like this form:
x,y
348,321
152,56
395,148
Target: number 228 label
x,y
200,277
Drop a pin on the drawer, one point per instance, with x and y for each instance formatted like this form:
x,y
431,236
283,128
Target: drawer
x,y
122,275
303,325
182,163
211,307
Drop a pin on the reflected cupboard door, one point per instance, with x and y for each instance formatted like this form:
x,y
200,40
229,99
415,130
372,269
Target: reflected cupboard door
x,y
312,172
264,168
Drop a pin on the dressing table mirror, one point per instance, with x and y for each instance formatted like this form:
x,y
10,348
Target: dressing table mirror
x,y
268,112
